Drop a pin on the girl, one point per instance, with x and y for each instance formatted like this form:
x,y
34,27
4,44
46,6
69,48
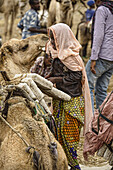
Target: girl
x,y
68,74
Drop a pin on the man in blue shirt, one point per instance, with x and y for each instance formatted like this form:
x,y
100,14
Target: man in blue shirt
x,y
90,12
30,23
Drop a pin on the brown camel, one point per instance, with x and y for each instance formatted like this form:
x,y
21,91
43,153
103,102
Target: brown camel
x,y
14,152
17,56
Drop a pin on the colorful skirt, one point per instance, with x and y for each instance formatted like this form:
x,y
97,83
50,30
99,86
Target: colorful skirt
x,y
69,118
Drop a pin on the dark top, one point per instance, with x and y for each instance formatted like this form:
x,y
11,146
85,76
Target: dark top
x,y
71,83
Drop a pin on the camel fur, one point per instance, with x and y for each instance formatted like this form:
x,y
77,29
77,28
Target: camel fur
x,y
10,8
12,150
69,12
60,12
78,12
17,56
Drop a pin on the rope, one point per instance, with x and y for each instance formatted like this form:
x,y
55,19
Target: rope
x,y
100,115
15,131
14,81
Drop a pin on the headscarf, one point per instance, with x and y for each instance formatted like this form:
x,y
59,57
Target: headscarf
x,y
67,50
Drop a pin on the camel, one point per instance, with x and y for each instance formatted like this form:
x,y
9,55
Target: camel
x,y
60,11
84,35
17,56
69,12
15,154
45,3
10,8
78,12
22,5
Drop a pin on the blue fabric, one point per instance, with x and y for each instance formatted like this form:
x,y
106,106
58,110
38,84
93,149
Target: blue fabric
x,y
98,83
90,2
89,14
29,20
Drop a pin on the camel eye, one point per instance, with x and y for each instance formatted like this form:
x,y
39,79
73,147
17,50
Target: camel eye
x,y
25,47
9,49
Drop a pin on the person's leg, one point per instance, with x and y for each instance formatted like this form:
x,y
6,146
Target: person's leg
x,y
102,86
91,80
95,80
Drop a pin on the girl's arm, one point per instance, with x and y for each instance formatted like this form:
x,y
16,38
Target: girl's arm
x,y
55,79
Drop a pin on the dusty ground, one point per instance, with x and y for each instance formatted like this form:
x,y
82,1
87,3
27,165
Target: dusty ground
x,y
94,163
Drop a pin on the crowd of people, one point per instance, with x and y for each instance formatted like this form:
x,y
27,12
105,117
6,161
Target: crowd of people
x,y
63,66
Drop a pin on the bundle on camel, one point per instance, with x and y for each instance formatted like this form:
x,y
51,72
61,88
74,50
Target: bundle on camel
x,y
99,138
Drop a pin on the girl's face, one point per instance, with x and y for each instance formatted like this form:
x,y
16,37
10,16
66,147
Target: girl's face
x,y
52,40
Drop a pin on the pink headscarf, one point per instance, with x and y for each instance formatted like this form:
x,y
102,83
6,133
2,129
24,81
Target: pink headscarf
x,y
67,50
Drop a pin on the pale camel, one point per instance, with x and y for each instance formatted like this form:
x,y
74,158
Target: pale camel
x,y
60,12
10,9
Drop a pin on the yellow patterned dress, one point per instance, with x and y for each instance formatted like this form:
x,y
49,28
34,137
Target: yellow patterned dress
x,y
69,117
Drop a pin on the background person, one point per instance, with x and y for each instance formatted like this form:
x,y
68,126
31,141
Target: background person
x,y
100,66
30,23
84,28
42,65
68,73
90,11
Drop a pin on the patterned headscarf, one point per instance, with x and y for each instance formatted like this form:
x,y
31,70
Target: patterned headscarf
x,y
67,50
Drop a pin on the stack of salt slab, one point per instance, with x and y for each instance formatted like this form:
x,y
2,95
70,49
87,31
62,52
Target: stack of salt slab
x,y
35,85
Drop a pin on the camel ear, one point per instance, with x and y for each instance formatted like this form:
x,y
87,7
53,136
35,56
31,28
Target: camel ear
x,y
4,51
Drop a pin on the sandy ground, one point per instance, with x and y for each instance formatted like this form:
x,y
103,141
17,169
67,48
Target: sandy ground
x,y
95,162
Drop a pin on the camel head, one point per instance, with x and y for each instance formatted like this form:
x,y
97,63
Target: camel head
x,y
65,3
45,3
17,56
